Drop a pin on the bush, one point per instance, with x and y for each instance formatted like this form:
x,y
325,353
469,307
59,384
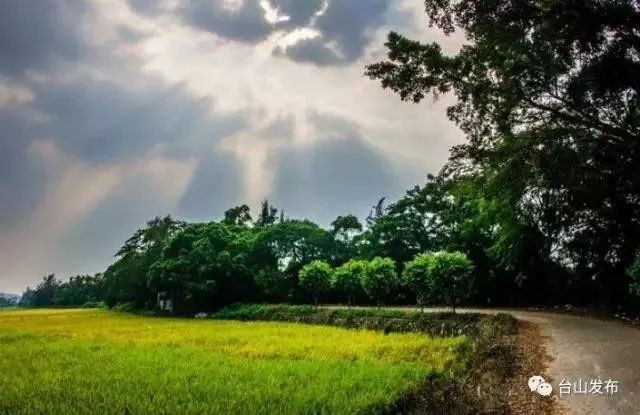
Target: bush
x,y
346,278
449,276
379,278
416,277
315,278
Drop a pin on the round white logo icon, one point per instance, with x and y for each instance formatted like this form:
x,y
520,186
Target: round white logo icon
x,y
538,384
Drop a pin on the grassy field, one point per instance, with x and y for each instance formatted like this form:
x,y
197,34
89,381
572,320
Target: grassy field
x,y
96,361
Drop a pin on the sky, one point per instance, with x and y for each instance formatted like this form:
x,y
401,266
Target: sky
x,y
116,111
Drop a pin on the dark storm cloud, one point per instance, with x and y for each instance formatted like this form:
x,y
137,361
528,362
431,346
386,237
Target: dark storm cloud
x,y
36,33
99,121
147,7
22,180
343,25
217,185
344,33
247,24
94,120
330,178
300,12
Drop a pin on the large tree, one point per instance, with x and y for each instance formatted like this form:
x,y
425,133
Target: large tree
x,y
125,280
548,97
239,215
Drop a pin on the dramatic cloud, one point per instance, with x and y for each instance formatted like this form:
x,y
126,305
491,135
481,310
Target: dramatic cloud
x,y
217,185
242,21
148,7
332,177
298,13
321,32
344,29
102,121
35,34
116,111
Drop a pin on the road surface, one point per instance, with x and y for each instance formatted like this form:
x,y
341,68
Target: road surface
x,y
585,348
588,348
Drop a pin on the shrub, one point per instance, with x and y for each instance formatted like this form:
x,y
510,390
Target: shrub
x,y
379,278
346,278
416,277
450,276
315,278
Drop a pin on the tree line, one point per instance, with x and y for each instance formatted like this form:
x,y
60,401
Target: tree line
x,y
204,266
543,198
439,244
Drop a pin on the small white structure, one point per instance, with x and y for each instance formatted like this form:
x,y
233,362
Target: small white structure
x,y
165,302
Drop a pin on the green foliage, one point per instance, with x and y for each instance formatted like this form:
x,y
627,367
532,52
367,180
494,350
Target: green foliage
x,y
75,292
346,231
239,215
268,215
550,89
295,243
379,278
126,279
346,226
205,266
5,302
347,278
273,283
315,278
634,273
449,276
416,277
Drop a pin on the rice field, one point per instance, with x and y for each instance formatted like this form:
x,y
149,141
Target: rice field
x,y
97,361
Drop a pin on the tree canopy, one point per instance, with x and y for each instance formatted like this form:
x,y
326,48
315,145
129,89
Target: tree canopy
x,y
547,94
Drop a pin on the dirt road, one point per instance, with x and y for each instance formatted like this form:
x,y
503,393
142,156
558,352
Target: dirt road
x,y
584,348
587,348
